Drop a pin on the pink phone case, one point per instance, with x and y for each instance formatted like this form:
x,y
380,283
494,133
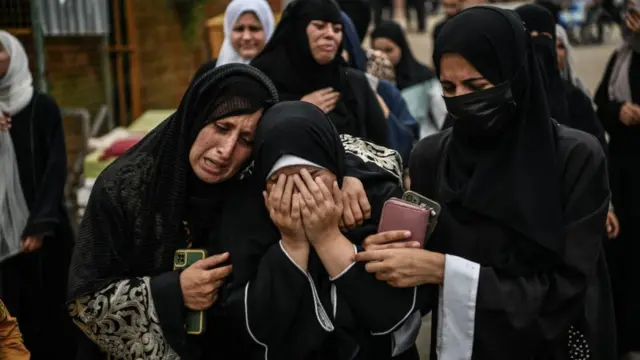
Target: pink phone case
x,y
401,215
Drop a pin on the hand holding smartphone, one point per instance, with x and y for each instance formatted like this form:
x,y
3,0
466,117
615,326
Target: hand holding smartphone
x,y
414,213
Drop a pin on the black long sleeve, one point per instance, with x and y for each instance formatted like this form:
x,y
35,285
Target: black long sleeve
x,y
278,310
377,306
44,213
583,116
545,304
608,110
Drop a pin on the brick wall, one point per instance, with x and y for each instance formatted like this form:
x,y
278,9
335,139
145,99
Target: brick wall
x,y
167,61
74,72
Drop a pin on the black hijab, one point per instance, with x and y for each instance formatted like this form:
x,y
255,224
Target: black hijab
x,y
133,222
539,19
288,62
287,58
301,129
514,177
409,71
359,11
289,128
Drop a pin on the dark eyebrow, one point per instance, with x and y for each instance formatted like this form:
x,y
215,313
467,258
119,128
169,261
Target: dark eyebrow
x,y
247,134
472,80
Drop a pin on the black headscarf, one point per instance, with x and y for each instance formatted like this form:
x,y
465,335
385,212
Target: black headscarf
x,y
537,18
300,129
409,71
359,11
287,58
133,222
553,8
288,61
288,128
514,178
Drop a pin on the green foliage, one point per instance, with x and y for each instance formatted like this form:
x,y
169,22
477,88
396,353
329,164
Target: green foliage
x,y
191,15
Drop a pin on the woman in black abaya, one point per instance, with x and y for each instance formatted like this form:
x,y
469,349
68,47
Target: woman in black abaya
x,y
303,60
515,265
298,294
569,105
618,101
34,127
171,191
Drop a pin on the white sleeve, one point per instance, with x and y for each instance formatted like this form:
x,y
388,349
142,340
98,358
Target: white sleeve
x,y
437,106
457,309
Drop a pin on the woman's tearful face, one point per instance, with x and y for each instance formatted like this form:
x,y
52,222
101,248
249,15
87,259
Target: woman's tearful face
x,y
247,36
223,147
324,40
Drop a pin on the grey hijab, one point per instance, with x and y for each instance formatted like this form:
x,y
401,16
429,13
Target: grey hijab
x,y
569,73
619,86
13,206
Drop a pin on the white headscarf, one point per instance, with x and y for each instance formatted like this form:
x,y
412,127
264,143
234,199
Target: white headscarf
x,y
291,160
568,73
15,94
16,89
235,9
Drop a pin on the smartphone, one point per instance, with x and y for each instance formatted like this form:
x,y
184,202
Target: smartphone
x,y
194,320
423,201
398,214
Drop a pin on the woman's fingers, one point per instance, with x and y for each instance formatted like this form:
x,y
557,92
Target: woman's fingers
x,y
337,196
387,237
378,266
275,195
364,205
396,245
324,190
285,202
374,255
304,209
347,216
357,212
312,186
307,197
295,208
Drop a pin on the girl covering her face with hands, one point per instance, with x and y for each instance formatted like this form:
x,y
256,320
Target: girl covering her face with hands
x,y
297,284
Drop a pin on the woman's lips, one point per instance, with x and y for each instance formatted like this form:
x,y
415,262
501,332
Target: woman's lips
x,y
212,167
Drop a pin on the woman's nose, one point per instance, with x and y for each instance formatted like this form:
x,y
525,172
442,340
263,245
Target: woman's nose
x,y
246,35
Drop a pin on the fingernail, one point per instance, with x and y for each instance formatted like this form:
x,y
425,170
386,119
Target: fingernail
x,y
407,233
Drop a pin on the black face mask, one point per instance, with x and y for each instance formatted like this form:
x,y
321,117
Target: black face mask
x,y
545,50
481,114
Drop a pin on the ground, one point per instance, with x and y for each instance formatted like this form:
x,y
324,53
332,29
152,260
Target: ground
x,y
589,61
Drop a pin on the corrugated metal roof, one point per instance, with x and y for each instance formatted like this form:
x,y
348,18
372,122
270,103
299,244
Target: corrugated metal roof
x,y
74,17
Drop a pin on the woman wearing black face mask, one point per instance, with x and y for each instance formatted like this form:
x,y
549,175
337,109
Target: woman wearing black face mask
x,y
511,271
541,26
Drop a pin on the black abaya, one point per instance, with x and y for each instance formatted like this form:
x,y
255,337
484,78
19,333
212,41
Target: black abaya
x,y
286,312
526,300
523,204
27,279
582,115
624,147
288,61
123,293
